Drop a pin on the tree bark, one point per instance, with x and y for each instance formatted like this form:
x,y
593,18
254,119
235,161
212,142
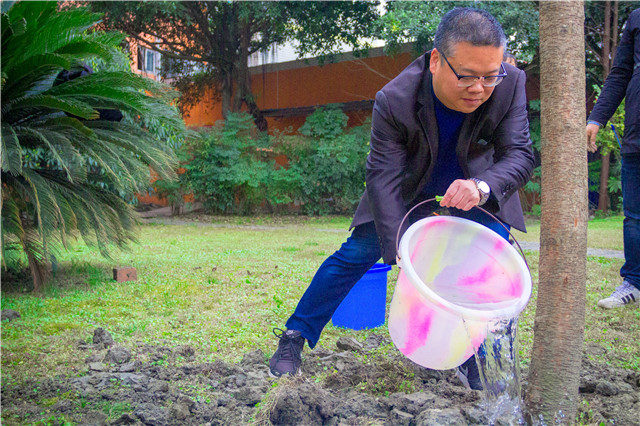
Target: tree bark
x,y
37,264
552,395
226,89
603,190
244,94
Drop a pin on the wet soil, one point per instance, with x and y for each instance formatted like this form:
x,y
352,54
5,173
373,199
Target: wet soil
x,y
355,383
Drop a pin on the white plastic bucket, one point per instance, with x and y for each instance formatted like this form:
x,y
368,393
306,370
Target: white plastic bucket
x,y
455,277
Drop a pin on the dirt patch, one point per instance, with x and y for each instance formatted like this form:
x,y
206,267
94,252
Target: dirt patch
x,y
358,383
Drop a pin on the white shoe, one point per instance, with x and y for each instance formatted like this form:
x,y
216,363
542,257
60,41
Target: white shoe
x,y
624,294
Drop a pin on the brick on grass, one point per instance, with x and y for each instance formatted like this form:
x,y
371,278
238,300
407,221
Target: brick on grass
x,y
125,274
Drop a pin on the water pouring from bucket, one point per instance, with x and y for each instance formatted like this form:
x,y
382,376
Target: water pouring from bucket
x,y
456,276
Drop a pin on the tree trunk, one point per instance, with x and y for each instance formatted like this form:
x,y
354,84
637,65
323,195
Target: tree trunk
x,y
227,89
603,191
552,395
244,94
39,268
605,60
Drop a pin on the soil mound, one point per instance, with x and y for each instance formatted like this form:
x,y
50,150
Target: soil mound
x,y
358,383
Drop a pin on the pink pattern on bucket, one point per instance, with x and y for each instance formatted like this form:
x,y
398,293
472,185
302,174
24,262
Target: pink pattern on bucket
x,y
437,223
417,328
480,277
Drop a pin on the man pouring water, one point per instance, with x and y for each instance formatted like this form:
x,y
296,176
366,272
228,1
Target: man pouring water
x,y
453,123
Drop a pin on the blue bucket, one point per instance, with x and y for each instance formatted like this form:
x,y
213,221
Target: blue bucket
x,y
365,305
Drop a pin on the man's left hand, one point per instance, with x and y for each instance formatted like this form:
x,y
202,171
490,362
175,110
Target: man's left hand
x,y
462,194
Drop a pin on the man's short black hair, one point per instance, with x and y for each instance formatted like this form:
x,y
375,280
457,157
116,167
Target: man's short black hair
x,y
466,24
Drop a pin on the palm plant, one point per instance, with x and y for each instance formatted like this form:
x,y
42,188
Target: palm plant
x,y
65,170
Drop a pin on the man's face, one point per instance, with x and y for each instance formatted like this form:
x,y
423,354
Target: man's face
x,y
466,59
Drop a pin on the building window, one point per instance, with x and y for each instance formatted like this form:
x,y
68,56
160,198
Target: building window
x,y
150,65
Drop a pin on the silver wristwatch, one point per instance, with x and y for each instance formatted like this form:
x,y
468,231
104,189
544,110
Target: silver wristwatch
x,y
483,189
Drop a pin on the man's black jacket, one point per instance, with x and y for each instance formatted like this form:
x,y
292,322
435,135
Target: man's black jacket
x,y
493,146
624,80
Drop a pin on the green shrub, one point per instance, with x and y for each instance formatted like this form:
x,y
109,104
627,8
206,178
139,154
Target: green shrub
x,y
227,171
232,168
331,163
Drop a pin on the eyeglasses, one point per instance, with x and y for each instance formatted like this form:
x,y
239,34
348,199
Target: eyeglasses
x,y
470,80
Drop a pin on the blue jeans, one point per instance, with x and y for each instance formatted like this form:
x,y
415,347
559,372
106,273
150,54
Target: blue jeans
x,y
630,271
342,270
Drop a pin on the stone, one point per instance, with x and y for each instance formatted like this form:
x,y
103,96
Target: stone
x,y
625,387
606,389
413,403
125,274
118,355
97,366
130,379
223,401
94,418
151,414
373,341
399,417
346,343
250,395
129,367
436,417
125,419
102,337
180,411
185,400
97,357
63,406
159,386
475,416
424,373
9,315
253,358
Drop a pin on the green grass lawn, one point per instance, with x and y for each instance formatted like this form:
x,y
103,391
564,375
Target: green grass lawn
x,y
222,290
604,233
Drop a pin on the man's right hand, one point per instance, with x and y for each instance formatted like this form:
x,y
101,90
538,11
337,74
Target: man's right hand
x,y
592,131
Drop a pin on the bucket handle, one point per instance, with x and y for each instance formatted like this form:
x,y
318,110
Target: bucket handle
x,y
438,198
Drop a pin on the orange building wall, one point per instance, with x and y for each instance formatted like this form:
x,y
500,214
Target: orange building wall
x,y
296,84
310,85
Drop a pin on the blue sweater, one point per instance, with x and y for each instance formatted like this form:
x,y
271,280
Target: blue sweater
x,y
446,168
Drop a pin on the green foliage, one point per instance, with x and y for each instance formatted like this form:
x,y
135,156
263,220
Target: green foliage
x,y
594,31
214,56
325,123
606,140
608,143
417,22
226,168
65,172
232,168
332,167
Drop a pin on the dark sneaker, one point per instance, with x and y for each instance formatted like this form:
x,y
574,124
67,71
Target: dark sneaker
x,y
469,375
288,356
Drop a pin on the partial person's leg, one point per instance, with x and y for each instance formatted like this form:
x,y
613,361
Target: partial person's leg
x,y
333,281
331,284
630,271
629,291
